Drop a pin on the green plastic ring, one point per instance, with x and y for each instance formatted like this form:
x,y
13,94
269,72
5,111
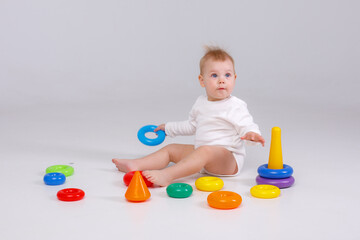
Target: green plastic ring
x,y
179,190
65,169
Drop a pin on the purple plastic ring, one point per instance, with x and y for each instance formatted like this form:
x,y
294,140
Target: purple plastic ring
x,y
280,183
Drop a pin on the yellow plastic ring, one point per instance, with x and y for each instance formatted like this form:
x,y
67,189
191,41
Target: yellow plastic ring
x,y
209,184
265,191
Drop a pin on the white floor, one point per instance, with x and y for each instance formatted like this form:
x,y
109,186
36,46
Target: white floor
x,y
323,203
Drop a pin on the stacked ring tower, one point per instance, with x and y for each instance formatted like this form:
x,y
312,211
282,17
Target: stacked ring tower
x,y
275,172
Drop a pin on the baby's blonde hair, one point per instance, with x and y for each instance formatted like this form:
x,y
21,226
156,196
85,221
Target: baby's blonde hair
x,y
214,53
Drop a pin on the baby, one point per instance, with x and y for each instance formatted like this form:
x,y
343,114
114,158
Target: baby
x,y
220,123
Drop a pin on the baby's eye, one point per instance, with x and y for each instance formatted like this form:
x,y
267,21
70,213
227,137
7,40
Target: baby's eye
x,y
214,75
227,75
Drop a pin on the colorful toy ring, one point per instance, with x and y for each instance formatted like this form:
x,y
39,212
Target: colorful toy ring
x,y
128,176
265,191
70,194
179,190
209,184
150,141
54,178
65,169
224,200
266,172
280,183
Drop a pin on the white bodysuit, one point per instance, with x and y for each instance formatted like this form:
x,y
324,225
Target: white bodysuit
x,y
219,123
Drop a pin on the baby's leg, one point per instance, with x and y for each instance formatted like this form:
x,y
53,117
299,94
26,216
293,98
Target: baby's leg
x,y
156,160
215,159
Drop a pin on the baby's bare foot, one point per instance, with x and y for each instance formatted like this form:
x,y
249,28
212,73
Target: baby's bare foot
x,y
124,165
157,177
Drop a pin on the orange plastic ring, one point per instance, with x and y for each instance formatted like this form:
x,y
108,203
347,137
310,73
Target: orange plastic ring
x,y
224,200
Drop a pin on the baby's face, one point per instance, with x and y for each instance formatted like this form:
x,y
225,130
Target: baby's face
x,y
218,79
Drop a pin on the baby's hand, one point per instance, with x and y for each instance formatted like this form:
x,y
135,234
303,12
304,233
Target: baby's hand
x,y
254,137
160,127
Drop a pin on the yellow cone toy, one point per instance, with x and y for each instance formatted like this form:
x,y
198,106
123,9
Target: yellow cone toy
x,y
275,156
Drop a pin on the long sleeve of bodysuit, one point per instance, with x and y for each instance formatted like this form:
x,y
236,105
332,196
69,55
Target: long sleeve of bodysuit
x,y
182,128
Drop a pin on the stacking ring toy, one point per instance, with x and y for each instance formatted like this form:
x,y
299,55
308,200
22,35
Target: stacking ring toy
x,y
65,169
179,190
70,194
224,200
265,191
54,179
128,176
266,172
280,183
149,141
209,184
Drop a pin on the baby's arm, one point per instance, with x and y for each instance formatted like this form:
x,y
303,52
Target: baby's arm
x,y
245,126
173,129
254,137
183,128
160,127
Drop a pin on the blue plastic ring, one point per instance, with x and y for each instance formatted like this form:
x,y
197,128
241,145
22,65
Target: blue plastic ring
x,y
266,172
150,141
54,178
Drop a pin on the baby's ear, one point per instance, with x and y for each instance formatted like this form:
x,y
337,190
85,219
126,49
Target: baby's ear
x,y
201,80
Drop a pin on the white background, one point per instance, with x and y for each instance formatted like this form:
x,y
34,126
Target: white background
x,y
79,78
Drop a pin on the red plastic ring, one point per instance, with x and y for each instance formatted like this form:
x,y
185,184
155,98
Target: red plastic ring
x,y
70,194
128,177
